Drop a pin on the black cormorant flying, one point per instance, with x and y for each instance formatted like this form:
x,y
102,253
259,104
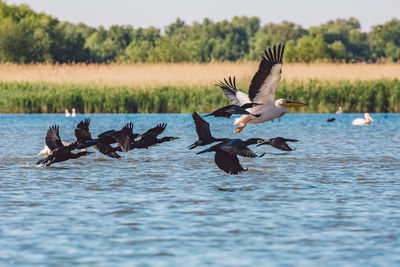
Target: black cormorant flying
x,y
82,134
227,152
278,142
230,91
149,138
203,132
123,137
228,111
59,152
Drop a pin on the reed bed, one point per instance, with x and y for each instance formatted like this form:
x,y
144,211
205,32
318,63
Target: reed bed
x,y
146,75
321,96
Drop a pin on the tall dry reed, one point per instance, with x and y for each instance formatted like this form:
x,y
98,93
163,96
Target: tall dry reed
x,y
188,74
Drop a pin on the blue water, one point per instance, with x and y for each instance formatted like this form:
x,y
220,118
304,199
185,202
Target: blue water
x,y
335,200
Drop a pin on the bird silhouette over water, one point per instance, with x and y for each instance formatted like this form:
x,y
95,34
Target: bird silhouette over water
x,y
59,152
123,137
82,134
279,143
228,111
104,140
149,138
203,132
226,154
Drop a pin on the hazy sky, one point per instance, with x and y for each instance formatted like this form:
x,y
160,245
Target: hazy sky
x,y
144,13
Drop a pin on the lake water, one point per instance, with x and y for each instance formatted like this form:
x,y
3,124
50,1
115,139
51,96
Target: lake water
x,y
335,200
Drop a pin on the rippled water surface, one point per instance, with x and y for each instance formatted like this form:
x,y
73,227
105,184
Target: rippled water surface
x,y
335,200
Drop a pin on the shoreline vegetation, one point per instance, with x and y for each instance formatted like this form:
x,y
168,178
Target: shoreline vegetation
x,y
188,87
381,96
184,88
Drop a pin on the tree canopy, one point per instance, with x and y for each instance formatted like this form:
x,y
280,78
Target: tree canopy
x,y
29,37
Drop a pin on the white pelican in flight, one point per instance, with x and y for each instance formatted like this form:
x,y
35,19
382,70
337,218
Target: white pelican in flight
x,y
262,91
361,121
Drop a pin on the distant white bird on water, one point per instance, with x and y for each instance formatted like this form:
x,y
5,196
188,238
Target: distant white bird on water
x,y
67,114
361,121
73,114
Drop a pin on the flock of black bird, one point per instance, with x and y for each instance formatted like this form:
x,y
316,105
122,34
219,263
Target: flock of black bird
x,y
125,139
226,151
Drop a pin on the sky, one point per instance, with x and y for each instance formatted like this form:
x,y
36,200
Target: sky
x,y
160,13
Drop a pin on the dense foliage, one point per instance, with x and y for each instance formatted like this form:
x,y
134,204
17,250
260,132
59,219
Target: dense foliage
x,y
321,97
27,36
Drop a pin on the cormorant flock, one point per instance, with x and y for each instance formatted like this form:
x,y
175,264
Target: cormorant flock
x,y
226,151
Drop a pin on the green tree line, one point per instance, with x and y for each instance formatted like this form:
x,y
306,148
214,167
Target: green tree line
x,y
27,36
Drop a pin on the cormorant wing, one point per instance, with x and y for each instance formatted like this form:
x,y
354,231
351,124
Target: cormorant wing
x,y
106,149
82,130
53,140
232,93
236,109
227,111
105,134
156,130
279,143
202,127
228,163
237,147
290,140
263,85
122,139
128,130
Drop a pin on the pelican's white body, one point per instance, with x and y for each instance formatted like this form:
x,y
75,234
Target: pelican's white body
x,y
360,121
270,109
268,112
46,150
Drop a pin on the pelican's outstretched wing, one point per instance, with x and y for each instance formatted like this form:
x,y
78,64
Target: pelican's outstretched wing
x,y
232,93
263,85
